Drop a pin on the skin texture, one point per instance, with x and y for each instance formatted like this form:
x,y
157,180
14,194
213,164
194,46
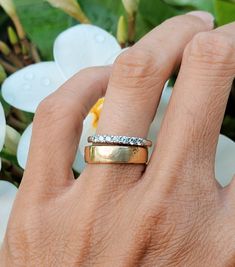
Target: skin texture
x,y
172,213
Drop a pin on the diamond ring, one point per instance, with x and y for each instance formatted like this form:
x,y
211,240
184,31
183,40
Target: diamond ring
x,y
119,140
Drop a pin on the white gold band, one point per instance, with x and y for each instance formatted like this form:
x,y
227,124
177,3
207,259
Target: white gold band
x,y
119,140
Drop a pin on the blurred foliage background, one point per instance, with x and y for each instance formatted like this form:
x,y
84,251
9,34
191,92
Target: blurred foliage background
x,y
42,23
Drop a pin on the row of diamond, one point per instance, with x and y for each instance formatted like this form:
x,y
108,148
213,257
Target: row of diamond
x,y
115,139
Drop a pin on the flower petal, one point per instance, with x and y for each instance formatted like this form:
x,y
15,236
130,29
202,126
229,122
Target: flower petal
x,y
156,124
26,88
83,46
2,127
225,160
7,195
79,163
23,147
88,129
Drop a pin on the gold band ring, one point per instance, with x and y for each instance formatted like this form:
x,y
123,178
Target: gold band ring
x,y
116,154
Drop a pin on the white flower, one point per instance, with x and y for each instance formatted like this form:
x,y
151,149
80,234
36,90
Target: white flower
x,y
7,196
77,48
74,49
2,128
7,190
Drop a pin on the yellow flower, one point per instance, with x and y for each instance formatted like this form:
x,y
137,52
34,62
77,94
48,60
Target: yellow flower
x,y
95,111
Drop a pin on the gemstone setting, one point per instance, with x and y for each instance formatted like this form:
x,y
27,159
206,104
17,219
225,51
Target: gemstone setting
x,y
119,140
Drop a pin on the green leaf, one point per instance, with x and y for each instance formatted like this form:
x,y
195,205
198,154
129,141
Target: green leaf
x,y
225,11
103,13
42,23
206,5
143,26
154,12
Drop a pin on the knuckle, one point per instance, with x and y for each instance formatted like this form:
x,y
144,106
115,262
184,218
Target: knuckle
x,y
136,68
52,110
211,47
60,104
48,108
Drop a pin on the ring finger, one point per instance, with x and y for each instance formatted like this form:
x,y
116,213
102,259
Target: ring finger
x,y
137,80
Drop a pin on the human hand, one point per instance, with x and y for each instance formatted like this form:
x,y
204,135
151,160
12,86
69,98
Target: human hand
x,y
170,213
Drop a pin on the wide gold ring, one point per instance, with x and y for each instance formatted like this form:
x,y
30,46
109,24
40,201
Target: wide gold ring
x,y
96,154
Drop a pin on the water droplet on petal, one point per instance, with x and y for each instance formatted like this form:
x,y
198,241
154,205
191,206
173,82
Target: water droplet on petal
x,y
29,76
99,38
46,81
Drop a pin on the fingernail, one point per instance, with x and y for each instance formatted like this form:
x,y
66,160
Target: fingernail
x,y
207,17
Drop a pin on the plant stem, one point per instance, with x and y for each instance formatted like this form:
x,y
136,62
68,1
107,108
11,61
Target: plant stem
x,y
12,58
20,115
7,66
13,122
17,49
82,18
35,54
19,28
131,28
25,46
